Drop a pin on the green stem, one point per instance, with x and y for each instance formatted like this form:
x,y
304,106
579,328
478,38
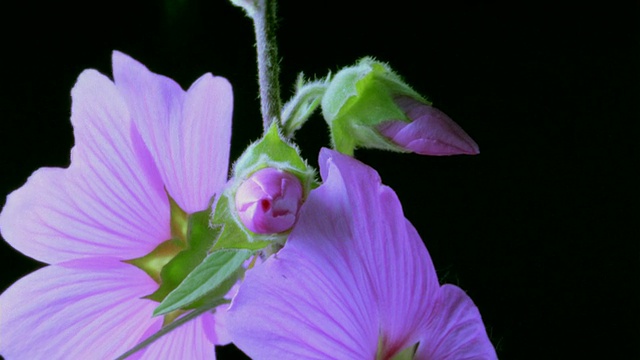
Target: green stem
x,y
167,329
298,110
264,21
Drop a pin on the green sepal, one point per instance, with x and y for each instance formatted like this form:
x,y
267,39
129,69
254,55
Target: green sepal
x,y
273,151
270,151
360,97
200,237
234,234
209,281
407,353
179,221
153,262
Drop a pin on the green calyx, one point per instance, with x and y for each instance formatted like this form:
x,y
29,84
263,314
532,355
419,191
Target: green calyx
x,y
360,97
272,150
407,353
171,261
190,274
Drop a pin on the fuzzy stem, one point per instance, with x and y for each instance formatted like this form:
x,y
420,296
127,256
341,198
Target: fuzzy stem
x,y
264,20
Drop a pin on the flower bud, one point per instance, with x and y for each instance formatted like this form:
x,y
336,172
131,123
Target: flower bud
x,y
430,132
268,201
368,105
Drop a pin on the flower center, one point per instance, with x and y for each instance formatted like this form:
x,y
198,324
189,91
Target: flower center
x,y
265,204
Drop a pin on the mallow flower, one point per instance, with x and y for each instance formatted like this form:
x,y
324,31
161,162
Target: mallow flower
x,y
353,281
143,146
369,105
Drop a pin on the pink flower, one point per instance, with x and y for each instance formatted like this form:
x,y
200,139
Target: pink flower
x,y
353,281
136,140
430,132
268,201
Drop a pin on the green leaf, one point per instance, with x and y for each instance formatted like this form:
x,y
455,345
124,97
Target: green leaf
x,y
204,280
200,239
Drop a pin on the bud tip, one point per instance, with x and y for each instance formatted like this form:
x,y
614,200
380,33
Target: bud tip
x,y
268,201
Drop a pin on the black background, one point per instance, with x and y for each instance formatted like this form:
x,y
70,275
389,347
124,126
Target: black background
x,y
541,228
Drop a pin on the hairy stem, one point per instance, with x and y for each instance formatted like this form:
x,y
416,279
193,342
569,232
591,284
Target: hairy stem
x,y
264,20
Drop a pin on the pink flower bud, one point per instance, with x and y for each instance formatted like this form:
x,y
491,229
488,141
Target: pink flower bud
x,y
431,132
268,201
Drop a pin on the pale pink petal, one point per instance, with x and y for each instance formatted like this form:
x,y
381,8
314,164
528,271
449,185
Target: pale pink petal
x,y
82,309
190,341
287,308
268,201
109,202
430,132
188,133
221,331
352,270
455,329
401,273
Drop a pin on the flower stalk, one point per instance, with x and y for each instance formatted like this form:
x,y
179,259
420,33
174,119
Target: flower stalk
x,y
268,63
263,14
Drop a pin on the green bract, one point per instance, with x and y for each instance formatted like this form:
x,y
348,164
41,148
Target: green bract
x,y
360,97
270,151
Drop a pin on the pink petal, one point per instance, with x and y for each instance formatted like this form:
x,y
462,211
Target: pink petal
x,y
110,201
431,132
188,133
352,270
455,329
189,341
83,309
400,269
288,309
268,201
221,334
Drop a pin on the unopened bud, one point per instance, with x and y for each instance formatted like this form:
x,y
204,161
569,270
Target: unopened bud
x,y
268,201
430,132
368,105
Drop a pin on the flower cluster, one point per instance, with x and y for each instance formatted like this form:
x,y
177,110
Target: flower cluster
x,y
147,196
